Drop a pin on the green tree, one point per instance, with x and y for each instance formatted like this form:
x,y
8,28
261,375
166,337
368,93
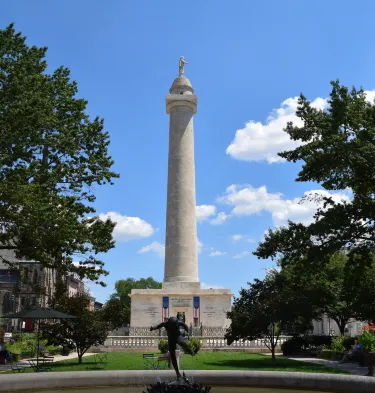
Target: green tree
x,y
330,290
87,329
114,312
338,151
51,158
266,310
123,289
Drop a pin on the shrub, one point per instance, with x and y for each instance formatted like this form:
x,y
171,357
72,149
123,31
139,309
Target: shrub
x,y
337,344
194,344
348,342
292,346
26,343
14,348
367,340
163,346
297,345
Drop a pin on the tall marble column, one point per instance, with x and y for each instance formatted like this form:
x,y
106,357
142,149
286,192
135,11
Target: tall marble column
x,y
181,260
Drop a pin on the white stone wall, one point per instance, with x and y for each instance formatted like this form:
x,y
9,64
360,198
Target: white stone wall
x,y
146,309
213,310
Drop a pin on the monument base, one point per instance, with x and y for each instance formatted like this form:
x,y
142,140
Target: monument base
x,y
206,307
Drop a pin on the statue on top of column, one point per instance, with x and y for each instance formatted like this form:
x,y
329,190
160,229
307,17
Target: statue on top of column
x,y
181,66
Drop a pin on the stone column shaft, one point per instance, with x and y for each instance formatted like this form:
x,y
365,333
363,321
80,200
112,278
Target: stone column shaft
x,y
181,261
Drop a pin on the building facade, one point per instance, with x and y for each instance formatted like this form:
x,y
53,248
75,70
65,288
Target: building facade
x,y
27,283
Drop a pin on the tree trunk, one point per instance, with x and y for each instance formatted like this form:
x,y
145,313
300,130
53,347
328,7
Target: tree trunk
x,y
80,355
342,327
273,355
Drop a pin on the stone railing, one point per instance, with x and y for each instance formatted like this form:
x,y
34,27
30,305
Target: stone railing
x,y
150,341
193,332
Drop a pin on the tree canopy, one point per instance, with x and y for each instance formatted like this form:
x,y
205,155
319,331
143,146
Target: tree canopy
x,y
89,328
267,309
334,290
123,289
52,156
337,151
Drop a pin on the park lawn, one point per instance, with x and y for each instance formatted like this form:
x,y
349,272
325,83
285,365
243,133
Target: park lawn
x,y
202,361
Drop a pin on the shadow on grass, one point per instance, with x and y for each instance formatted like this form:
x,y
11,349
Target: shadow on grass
x,y
87,365
266,364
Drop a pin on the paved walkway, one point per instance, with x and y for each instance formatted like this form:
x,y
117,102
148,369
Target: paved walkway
x,y
56,358
352,368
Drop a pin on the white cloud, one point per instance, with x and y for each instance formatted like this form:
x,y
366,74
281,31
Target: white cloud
x,y
216,254
247,200
155,247
203,212
258,142
159,248
209,286
370,95
128,228
238,237
219,219
200,246
242,254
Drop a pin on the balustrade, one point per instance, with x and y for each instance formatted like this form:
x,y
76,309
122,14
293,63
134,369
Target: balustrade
x,y
152,341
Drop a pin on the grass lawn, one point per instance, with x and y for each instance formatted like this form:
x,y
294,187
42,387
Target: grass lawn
x,y
202,361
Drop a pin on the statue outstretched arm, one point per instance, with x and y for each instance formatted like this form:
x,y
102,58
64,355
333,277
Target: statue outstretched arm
x,y
161,325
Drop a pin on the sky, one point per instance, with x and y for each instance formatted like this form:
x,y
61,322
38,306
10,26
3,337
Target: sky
x,y
248,61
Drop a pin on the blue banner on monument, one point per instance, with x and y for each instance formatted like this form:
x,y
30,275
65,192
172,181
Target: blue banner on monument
x,y
196,302
165,302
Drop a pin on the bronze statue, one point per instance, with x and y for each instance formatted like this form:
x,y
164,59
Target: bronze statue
x,y
177,334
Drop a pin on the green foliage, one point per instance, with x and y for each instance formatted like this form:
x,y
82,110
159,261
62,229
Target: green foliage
x,y
338,152
292,346
114,312
367,339
88,329
52,157
300,344
337,344
15,348
123,289
163,346
194,344
26,343
348,342
265,310
338,289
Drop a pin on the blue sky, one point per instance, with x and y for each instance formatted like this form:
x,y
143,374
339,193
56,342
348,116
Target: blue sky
x,y
248,60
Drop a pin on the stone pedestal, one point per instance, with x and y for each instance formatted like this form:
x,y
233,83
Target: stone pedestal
x,y
147,306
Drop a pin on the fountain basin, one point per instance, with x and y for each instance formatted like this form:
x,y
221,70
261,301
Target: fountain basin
x,y
218,379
